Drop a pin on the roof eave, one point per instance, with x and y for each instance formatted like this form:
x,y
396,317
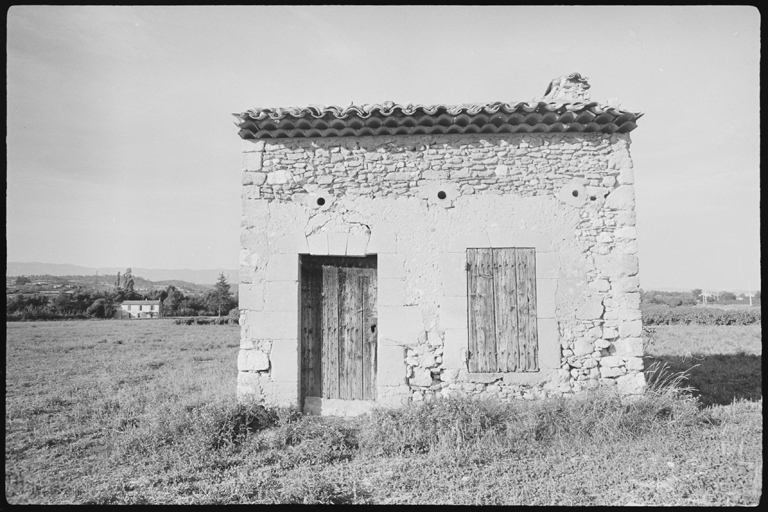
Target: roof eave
x,y
387,120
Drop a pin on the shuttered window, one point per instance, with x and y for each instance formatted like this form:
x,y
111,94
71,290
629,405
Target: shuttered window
x,y
501,285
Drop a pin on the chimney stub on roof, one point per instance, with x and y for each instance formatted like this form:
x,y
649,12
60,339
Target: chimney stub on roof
x,y
568,87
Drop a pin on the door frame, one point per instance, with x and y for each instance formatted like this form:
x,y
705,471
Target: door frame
x,y
313,343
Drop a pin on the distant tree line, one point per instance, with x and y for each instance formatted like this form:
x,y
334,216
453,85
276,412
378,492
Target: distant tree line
x,y
667,298
214,302
654,315
696,296
87,303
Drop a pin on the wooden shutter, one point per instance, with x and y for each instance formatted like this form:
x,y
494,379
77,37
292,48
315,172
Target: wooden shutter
x,y
505,310
501,284
526,309
482,332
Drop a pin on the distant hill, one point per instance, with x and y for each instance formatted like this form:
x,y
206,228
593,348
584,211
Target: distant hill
x,y
187,287
203,277
46,283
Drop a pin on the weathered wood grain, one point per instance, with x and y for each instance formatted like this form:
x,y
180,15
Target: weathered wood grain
x,y
370,330
482,332
531,333
505,310
316,302
523,315
330,353
306,341
350,334
501,284
338,295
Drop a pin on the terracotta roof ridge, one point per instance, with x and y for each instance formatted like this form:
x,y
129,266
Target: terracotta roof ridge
x,y
565,107
389,108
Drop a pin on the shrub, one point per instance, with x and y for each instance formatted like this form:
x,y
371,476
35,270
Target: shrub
x,y
667,397
211,426
230,424
206,321
315,441
98,309
440,422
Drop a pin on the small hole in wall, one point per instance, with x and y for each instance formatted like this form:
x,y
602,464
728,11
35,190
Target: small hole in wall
x,y
441,195
320,201
592,198
575,193
373,328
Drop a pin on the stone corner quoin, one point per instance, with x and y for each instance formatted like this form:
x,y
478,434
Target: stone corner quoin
x,y
418,203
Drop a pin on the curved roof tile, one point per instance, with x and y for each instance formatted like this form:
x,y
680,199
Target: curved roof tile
x,y
394,119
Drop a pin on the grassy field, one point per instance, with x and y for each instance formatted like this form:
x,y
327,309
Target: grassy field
x,y
138,412
723,363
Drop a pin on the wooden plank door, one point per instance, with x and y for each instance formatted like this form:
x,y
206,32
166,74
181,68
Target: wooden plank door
x,y
311,332
338,330
350,335
357,313
368,284
330,334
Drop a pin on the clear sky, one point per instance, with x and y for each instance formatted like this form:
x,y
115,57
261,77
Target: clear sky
x,y
122,151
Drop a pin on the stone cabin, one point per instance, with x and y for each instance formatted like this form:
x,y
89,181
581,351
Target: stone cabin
x,y
398,252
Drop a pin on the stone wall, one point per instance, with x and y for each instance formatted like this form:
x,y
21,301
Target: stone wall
x,y
419,202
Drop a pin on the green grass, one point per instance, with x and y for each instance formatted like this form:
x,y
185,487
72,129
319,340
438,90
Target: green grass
x,y
143,412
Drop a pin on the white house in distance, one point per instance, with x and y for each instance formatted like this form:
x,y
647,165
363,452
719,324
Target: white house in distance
x,y
139,309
